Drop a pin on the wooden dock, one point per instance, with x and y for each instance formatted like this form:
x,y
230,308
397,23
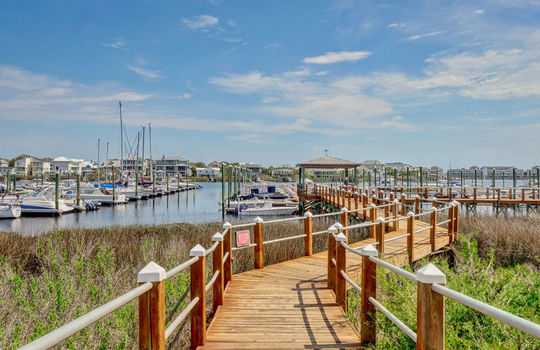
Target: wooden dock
x,y
289,305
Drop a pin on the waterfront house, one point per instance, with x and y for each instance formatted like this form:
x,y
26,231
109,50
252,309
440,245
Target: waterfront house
x,y
372,165
211,173
41,166
399,166
23,166
4,167
66,166
172,166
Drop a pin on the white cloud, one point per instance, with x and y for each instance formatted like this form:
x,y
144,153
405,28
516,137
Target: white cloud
x,y
421,36
335,57
201,22
146,73
479,12
272,46
396,25
231,23
118,44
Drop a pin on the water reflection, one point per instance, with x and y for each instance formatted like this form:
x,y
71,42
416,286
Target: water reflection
x,y
204,207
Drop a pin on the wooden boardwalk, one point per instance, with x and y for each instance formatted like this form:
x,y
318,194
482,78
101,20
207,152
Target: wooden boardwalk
x,y
288,305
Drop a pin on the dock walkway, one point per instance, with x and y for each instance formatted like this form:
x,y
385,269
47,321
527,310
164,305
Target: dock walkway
x,y
289,306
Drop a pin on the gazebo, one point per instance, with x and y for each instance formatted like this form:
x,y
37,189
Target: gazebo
x,y
327,162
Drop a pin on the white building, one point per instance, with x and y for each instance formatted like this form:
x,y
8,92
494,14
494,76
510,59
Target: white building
x,y
63,165
172,166
23,166
4,167
213,173
372,164
41,166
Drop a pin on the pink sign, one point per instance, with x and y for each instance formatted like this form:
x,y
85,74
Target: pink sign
x,y
242,238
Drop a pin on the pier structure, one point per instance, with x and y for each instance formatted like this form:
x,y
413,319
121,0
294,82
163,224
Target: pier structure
x,y
302,303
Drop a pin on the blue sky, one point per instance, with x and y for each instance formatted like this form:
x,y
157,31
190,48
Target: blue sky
x,y
275,82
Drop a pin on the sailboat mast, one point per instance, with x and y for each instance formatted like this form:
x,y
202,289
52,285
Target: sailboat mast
x,y
121,141
143,132
98,144
150,136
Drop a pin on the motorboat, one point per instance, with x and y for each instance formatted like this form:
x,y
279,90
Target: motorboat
x,y
268,210
98,195
10,208
43,202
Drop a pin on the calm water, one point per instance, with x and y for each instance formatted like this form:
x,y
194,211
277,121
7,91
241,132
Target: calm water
x,y
195,206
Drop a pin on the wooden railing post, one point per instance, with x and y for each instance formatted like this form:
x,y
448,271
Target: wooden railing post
x,y
368,314
345,221
258,237
430,309
380,236
198,290
410,237
403,205
341,265
451,222
217,265
227,248
152,308
433,224
331,268
455,226
372,218
308,231
395,212
416,204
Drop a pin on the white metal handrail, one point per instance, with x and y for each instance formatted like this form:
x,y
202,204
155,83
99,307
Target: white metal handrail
x,y
177,321
86,320
244,247
285,220
396,238
393,318
350,281
498,314
181,267
212,248
423,229
284,239
225,257
403,273
212,280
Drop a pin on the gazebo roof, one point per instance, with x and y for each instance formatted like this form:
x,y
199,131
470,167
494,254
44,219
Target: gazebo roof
x,y
328,162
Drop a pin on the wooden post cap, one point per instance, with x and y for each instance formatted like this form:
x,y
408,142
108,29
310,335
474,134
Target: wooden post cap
x,y
227,225
151,273
369,250
308,214
433,209
374,196
341,237
430,274
396,201
217,237
380,219
403,195
258,220
344,210
410,213
455,203
338,225
372,205
198,250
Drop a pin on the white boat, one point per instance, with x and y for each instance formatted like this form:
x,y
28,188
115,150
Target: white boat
x,y
10,210
43,202
248,203
268,210
96,195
